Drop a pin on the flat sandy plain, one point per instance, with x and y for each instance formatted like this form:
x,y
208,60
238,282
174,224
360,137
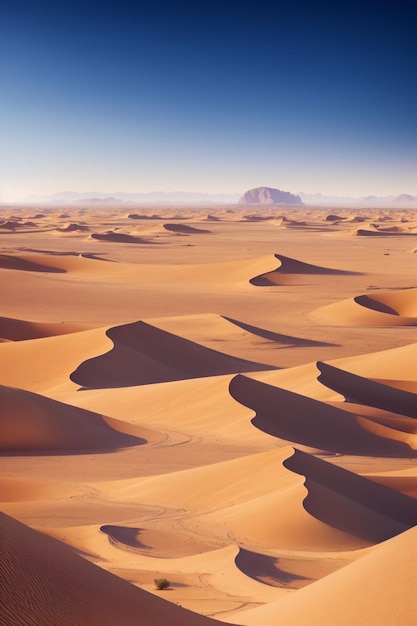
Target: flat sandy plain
x,y
225,398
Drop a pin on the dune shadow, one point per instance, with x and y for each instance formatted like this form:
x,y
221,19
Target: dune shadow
x,y
123,537
295,342
185,229
292,267
362,232
353,504
120,238
299,419
374,305
361,390
265,569
143,354
10,262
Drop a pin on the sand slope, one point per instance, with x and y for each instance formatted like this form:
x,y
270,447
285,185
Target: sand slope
x,y
395,308
21,330
289,269
30,422
378,588
44,584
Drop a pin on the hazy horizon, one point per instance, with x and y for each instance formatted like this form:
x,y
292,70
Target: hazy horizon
x,y
208,98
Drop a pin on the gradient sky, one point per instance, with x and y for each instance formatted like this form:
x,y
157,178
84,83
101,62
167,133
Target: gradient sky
x,y
208,96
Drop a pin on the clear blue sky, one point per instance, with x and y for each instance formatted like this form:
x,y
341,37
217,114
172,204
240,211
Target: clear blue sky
x,y
208,96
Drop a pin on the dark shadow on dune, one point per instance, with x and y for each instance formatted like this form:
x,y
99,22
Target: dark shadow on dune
x,y
351,503
139,216
361,390
95,257
293,267
143,354
10,262
12,225
123,537
120,238
258,218
185,229
295,342
73,227
305,421
265,569
374,305
382,233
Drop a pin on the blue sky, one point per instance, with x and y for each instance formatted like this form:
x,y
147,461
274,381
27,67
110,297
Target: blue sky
x,y
208,96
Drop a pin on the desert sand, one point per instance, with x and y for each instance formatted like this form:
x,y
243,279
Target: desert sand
x,y
223,398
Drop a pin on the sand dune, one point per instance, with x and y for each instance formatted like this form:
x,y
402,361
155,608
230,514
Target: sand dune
x,y
200,408
363,232
139,216
285,571
302,420
395,365
143,354
357,389
71,263
12,262
247,497
278,337
118,237
163,416
43,582
376,589
292,267
21,330
404,481
45,363
184,229
33,423
73,227
394,308
228,335
211,487
350,494
287,520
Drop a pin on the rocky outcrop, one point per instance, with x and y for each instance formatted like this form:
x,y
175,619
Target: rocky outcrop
x,y
267,195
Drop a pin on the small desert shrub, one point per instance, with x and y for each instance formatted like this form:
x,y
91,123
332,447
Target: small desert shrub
x,y
161,583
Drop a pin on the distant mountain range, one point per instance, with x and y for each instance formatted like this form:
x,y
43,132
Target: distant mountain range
x,y
318,199
119,197
258,195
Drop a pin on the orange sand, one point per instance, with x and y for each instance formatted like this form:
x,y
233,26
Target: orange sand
x,y
232,408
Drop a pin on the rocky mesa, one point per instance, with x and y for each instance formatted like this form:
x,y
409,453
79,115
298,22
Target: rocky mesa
x,y
268,195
